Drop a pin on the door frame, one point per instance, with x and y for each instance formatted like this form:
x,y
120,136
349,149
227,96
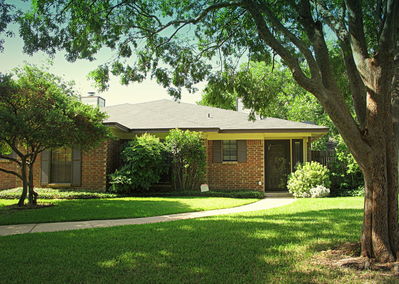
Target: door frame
x,y
266,172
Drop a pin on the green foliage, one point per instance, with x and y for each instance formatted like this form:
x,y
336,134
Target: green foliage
x,y
57,193
7,16
40,110
212,193
346,176
146,158
188,158
306,177
143,164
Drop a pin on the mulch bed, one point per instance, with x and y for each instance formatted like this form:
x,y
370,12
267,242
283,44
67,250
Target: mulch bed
x,y
346,256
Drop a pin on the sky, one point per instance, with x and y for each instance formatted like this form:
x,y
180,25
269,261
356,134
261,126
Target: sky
x,y
13,56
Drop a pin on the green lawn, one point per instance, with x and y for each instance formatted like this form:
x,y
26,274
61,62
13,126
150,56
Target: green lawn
x,y
112,208
271,246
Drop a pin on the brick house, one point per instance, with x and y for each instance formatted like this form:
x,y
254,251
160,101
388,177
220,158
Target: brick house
x,y
241,154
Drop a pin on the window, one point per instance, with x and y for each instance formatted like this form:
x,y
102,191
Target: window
x,y
61,165
229,150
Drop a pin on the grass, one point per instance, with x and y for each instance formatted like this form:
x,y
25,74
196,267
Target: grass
x,y
270,246
111,208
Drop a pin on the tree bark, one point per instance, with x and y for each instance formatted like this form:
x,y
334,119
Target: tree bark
x,y
32,195
380,227
24,183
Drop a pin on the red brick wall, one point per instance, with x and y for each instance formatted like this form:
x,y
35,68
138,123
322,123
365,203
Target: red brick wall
x,y
7,180
234,175
94,170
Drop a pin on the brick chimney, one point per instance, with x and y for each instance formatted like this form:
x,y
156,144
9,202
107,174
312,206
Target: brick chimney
x,y
93,100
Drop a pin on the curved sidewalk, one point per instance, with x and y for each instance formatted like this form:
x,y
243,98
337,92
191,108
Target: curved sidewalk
x,y
266,203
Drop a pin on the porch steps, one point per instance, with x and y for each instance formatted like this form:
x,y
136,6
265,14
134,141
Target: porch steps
x,y
278,194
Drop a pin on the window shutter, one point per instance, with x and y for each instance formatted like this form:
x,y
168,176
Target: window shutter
x,y
242,151
217,151
76,166
45,167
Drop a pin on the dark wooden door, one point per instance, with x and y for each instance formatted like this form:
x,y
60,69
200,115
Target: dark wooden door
x,y
277,166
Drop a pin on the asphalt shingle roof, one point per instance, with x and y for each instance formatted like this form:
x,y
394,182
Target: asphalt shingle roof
x,y
166,114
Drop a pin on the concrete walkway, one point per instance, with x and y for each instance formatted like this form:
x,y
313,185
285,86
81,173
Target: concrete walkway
x,y
266,203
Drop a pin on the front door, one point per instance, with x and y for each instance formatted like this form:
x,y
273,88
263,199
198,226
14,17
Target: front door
x,y
277,162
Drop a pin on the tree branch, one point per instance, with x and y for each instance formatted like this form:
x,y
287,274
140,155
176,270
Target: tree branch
x,y
314,31
300,44
330,98
358,90
10,172
202,15
357,37
387,40
292,62
5,157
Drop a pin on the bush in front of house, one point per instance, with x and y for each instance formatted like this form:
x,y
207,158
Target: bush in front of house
x,y
319,191
58,193
346,176
188,158
143,164
306,177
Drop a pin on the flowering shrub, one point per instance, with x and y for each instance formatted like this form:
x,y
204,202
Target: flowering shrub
x,y
319,191
306,177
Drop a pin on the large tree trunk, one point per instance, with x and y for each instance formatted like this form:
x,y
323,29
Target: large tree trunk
x,y
380,228
379,239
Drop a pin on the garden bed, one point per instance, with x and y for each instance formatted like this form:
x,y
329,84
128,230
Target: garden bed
x,y
52,193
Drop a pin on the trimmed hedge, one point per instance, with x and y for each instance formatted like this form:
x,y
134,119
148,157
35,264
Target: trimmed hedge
x,y
226,193
52,193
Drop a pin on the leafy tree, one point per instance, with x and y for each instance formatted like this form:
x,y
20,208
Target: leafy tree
x,y
39,111
188,158
160,34
144,162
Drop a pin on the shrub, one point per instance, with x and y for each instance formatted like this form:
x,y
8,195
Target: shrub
x,y
211,193
58,193
346,176
143,164
307,176
188,156
319,191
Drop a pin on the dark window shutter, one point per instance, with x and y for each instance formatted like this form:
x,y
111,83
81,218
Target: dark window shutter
x,y
76,166
217,151
45,167
242,151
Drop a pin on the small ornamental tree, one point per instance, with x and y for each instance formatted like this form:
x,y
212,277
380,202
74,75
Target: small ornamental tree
x,y
188,158
39,111
144,162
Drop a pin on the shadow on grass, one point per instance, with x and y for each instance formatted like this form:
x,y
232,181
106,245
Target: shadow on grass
x,y
253,247
74,210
